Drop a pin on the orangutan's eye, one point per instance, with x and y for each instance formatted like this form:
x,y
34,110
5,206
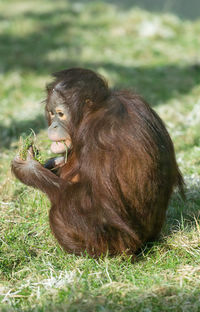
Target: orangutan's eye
x,y
60,114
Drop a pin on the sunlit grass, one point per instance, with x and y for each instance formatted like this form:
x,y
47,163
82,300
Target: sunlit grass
x,y
155,55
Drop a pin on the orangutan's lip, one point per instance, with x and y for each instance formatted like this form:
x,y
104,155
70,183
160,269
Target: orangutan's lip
x,y
58,147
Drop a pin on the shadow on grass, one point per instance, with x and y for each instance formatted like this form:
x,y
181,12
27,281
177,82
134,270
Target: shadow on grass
x,y
9,134
33,52
163,299
182,8
184,213
156,84
120,299
30,52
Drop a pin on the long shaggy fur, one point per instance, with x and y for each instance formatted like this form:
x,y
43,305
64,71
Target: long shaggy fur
x,y
126,165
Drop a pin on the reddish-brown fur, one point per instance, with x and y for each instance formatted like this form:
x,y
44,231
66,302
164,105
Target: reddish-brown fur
x,y
113,192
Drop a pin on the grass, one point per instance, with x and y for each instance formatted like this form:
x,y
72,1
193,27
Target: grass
x,y
155,55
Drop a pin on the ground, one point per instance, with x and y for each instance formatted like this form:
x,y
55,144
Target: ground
x,y
156,55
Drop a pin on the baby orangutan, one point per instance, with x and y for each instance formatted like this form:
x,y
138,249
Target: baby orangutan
x,y
113,183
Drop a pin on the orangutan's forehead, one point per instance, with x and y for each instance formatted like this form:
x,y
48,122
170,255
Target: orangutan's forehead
x,y
55,100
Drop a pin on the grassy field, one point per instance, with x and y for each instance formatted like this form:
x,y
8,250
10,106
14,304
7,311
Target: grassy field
x,y
155,55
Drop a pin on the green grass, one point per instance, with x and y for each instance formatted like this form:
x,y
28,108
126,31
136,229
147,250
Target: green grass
x,y
155,55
